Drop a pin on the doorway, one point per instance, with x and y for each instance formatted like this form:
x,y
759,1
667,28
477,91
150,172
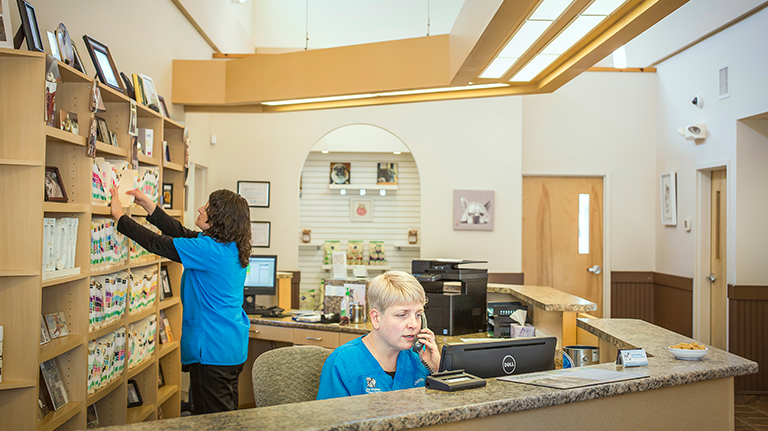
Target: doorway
x,y
718,324
563,235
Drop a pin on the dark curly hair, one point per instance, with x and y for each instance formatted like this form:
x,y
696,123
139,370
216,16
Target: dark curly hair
x,y
230,221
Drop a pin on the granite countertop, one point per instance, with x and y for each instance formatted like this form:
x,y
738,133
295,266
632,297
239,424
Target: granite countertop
x,y
545,297
421,407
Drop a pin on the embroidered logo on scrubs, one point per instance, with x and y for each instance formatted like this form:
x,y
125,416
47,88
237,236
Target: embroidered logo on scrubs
x,y
370,384
418,381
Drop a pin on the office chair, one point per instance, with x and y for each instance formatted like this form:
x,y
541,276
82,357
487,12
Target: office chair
x,y
288,375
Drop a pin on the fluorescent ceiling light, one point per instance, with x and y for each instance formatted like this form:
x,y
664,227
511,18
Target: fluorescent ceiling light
x,y
620,58
533,68
603,7
325,151
317,99
498,67
550,9
528,34
579,28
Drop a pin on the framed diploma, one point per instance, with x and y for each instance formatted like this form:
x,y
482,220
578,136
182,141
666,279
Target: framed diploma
x,y
260,232
255,192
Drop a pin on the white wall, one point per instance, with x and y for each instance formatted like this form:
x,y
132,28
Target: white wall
x,y
752,206
604,124
695,71
226,23
470,144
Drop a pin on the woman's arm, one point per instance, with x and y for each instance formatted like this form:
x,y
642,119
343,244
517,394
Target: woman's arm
x,y
167,224
161,245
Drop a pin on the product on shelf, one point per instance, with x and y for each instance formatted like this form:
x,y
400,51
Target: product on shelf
x,y
106,359
108,246
142,287
376,253
107,299
330,247
141,340
355,253
55,385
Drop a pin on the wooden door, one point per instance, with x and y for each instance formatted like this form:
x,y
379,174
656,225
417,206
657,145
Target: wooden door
x,y
717,259
551,253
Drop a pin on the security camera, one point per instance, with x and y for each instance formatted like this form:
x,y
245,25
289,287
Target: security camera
x,y
694,131
698,101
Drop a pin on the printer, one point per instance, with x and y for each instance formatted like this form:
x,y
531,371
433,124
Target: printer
x,y
456,296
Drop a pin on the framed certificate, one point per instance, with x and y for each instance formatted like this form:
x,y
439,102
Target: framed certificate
x,y
260,232
255,192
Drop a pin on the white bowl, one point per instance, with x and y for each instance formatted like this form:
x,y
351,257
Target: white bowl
x,y
688,355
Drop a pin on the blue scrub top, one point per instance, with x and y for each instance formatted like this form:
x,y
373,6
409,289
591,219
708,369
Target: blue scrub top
x,y
352,370
214,328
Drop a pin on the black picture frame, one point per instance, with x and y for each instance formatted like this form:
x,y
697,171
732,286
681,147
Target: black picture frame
x,y
255,192
163,108
134,395
165,282
103,133
29,28
54,186
160,376
129,91
261,225
167,196
104,64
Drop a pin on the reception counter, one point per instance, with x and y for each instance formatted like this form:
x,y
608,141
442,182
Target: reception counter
x,y
677,395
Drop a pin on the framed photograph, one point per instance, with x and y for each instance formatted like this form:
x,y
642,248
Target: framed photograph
x,y
167,196
54,45
255,192
150,93
165,280
361,210
54,187
68,122
128,86
669,199
340,173
134,396
163,108
160,376
6,28
29,27
386,174
473,209
113,138
103,134
78,63
104,64
65,44
55,385
91,417
260,231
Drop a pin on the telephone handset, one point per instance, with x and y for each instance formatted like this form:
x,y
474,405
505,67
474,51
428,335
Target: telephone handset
x,y
418,346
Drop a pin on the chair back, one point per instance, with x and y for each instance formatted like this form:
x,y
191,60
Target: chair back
x,y
288,375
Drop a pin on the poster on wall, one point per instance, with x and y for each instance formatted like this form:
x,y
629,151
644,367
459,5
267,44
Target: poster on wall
x,y
669,199
473,209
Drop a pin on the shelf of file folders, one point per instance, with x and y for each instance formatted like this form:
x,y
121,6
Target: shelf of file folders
x,y
142,288
141,340
138,253
59,245
111,173
107,299
109,247
106,359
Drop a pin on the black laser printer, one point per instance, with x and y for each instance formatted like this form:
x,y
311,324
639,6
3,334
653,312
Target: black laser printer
x,y
458,307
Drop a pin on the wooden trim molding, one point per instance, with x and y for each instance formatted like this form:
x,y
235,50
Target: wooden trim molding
x,y
659,278
625,69
662,299
631,277
748,293
506,277
675,281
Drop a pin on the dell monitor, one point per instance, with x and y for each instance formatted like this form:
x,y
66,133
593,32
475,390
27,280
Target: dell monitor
x,y
500,358
261,276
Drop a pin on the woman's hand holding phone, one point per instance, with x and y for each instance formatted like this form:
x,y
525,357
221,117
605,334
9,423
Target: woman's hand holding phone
x,y
430,354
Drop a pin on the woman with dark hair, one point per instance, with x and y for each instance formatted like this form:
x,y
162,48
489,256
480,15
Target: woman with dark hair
x,y
214,331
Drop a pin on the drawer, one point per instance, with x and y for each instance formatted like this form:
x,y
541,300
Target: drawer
x,y
316,338
271,333
345,337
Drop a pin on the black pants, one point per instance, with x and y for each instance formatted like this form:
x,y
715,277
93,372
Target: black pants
x,y
214,387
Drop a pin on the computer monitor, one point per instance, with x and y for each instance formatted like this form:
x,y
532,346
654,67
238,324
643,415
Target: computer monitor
x,y
261,277
500,358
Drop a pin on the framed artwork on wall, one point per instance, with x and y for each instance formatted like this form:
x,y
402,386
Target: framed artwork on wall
x,y
669,199
255,192
473,209
260,232
340,173
361,210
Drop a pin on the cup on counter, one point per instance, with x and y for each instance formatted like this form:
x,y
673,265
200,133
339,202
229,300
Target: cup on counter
x,y
357,313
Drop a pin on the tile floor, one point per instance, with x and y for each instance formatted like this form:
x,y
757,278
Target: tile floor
x,y
751,412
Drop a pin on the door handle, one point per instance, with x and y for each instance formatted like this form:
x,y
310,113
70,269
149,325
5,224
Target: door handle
x,y
595,269
712,277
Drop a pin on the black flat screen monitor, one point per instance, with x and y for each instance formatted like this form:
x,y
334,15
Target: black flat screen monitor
x,y
500,358
261,277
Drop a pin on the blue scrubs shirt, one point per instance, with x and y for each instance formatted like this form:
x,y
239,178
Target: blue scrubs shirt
x,y
352,370
214,329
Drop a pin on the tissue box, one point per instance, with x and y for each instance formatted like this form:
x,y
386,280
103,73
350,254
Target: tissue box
x,y
517,331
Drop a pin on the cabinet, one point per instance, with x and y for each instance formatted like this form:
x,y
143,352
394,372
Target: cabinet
x,y
27,146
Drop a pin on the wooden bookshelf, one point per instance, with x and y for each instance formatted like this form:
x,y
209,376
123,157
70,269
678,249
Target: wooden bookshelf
x,y
27,145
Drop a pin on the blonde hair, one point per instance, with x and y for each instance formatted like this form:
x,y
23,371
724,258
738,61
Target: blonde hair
x,y
392,288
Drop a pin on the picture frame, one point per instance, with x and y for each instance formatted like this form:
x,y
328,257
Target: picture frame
x,y
104,64
260,234
65,45
30,30
150,93
473,209
78,63
54,186
163,108
128,86
386,174
167,196
165,281
340,173
68,122
113,139
6,26
103,131
160,376
361,210
668,190
54,45
255,192
134,395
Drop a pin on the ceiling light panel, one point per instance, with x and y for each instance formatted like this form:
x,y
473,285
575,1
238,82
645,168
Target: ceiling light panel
x,y
576,31
318,99
550,9
533,68
603,7
498,67
529,33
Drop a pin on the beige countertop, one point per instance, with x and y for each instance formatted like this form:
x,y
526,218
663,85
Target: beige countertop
x,y
544,297
421,407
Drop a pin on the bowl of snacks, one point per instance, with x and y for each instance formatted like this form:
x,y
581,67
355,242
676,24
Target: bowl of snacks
x,y
688,351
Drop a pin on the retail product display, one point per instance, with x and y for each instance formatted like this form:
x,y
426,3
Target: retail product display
x,y
142,284
56,389
57,324
330,247
107,299
108,246
106,359
376,253
141,340
355,253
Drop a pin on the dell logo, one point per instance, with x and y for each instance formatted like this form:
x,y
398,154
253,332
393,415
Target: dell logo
x,y
508,364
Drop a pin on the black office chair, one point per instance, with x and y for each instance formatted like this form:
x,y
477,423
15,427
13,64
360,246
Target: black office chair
x,y
288,375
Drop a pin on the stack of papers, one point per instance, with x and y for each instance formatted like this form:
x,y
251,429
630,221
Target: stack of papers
x,y
572,377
